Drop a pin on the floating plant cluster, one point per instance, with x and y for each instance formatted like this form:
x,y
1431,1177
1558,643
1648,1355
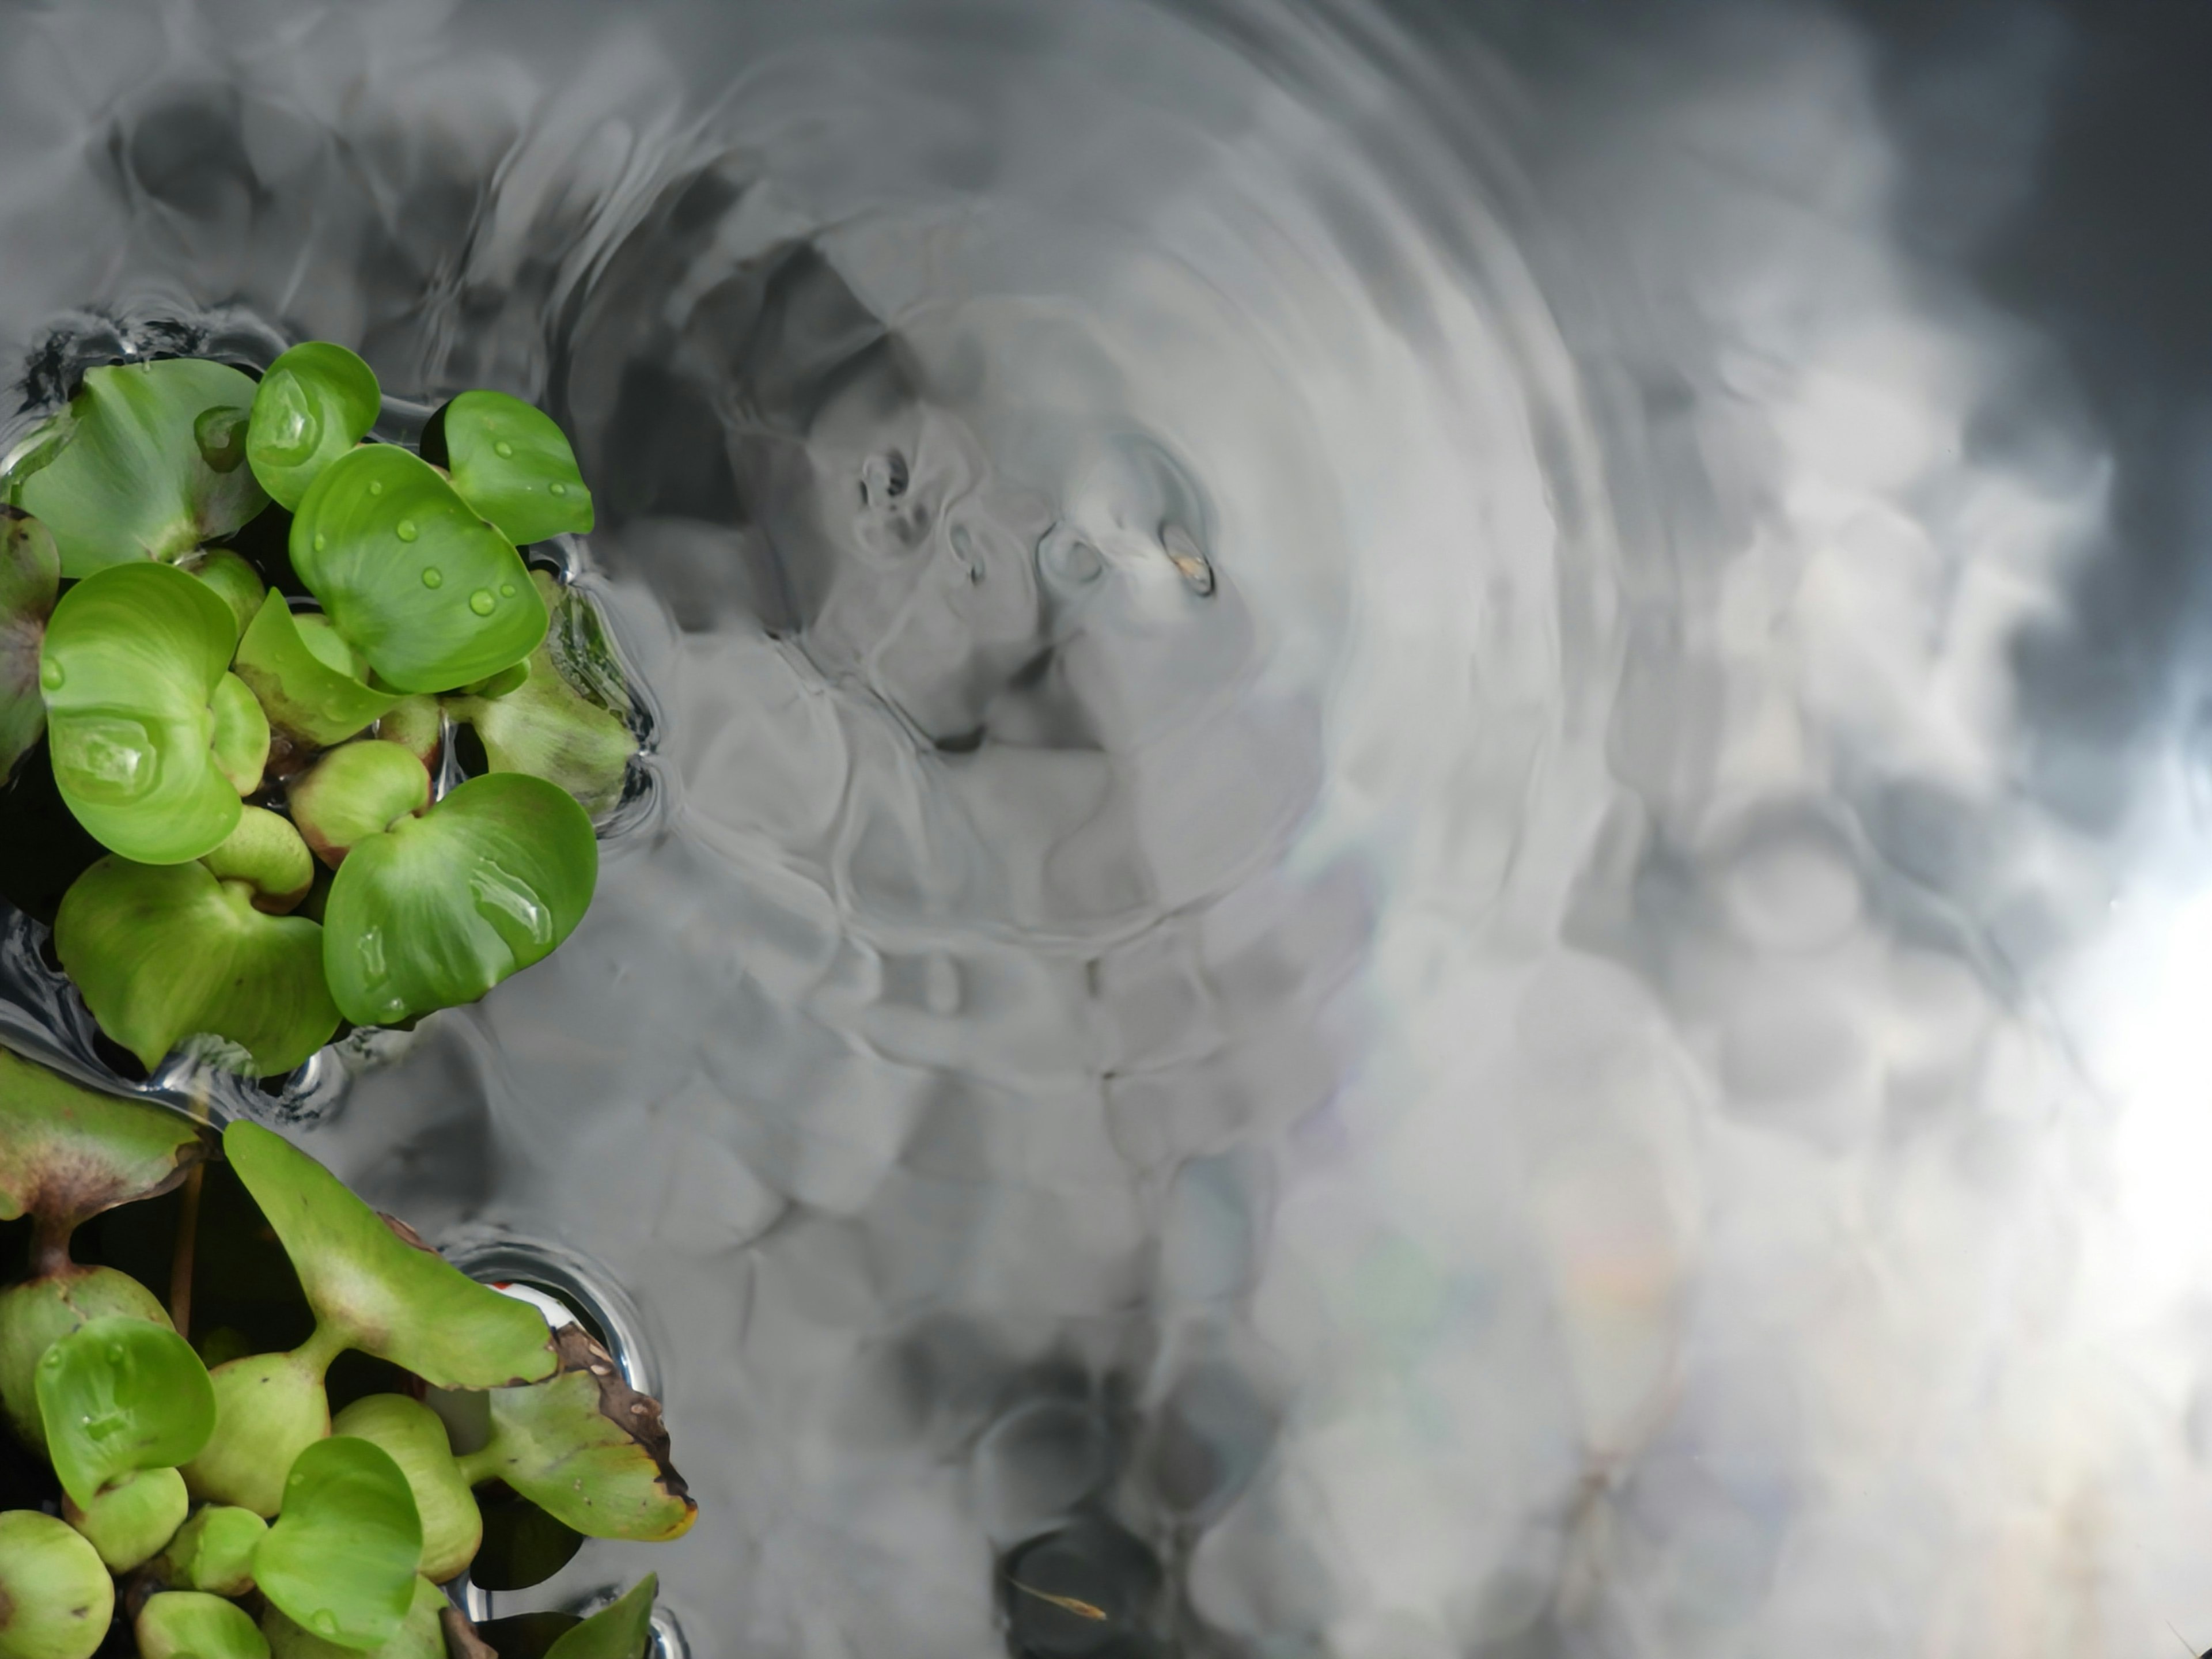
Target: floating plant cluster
x,y
250,720
225,1510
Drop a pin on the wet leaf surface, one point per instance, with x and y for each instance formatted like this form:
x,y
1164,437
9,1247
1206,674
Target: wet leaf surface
x,y
513,464
119,1394
316,402
339,1561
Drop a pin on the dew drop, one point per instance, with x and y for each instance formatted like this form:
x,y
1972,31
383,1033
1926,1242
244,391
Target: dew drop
x,y
501,896
321,542
507,590
481,601
290,428
115,1353
109,760
433,577
370,947
405,529
376,486
503,449
324,1621
558,488
51,675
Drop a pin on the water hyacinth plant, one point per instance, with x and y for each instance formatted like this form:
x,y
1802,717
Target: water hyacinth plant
x,y
260,767
223,1510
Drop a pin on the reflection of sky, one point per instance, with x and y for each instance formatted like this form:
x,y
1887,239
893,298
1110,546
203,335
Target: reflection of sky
x,y
1597,1053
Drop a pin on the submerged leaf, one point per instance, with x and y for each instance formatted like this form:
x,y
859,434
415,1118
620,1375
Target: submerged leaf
x,y
132,663
316,402
68,1152
30,576
56,1598
546,727
144,464
513,464
439,909
306,676
588,1449
178,1623
340,1560
159,952
620,1630
391,1298
118,1396
433,596
356,791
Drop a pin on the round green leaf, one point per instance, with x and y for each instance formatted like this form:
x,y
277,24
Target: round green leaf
x,y
356,791
178,1623
159,952
37,1313
56,1598
118,1396
618,1631
68,1152
214,1550
304,675
439,909
513,464
266,853
131,666
433,596
420,1635
144,464
389,1298
340,1560
128,1521
30,576
241,735
316,402
234,581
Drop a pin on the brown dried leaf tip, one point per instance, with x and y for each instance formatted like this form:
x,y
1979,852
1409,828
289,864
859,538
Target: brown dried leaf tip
x,y
637,1415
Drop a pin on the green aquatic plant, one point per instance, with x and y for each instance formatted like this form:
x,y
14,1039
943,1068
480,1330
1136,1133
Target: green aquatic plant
x,y
249,1519
207,727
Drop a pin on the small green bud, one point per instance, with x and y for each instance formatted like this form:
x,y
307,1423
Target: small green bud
x,y
56,1598
130,1522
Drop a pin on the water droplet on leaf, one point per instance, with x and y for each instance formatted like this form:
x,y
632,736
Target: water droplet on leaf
x,y
290,427
433,577
481,602
376,486
559,489
503,449
51,675
109,760
405,529
321,542
324,1621
370,947
507,590
499,896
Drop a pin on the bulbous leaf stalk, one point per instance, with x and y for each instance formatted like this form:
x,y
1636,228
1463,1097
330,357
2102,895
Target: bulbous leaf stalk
x,y
56,1598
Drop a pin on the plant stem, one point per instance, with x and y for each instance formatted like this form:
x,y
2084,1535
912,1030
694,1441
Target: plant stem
x,y
481,1464
188,1231
324,1344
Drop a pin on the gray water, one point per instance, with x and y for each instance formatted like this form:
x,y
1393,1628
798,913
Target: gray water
x,y
1426,865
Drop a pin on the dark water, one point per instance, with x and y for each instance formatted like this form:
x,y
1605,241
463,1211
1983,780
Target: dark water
x,y
1426,869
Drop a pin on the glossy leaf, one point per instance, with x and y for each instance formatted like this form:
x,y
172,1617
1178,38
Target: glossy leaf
x,y
175,1623
56,1598
161,952
132,659
38,1312
433,596
586,1449
269,1408
233,582
452,1526
305,676
439,909
68,1152
118,1396
340,1560
30,576
266,853
513,464
240,741
214,1550
146,462
386,1297
421,1634
128,1523
620,1630
416,725
548,729
356,791
316,402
